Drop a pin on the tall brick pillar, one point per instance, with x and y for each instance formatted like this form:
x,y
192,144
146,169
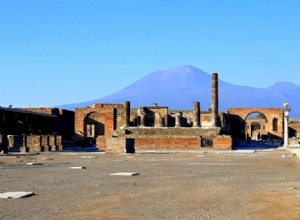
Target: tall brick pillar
x,y
196,112
214,101
178,117
127,114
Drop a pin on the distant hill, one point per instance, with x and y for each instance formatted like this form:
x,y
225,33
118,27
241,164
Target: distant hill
x,y
179,87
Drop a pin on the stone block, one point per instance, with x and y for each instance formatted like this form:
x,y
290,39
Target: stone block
x,y
15,195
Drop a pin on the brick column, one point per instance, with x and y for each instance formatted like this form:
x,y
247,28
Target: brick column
x,y
214,101
178,116
196,113
127,114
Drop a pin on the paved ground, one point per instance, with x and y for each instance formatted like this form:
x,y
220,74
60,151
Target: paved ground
x,y
261,185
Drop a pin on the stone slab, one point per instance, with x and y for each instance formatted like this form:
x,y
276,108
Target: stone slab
x,y
77,168
125,174
15,195
34,164
88,157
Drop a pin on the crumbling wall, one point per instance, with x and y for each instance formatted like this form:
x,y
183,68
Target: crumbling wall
x,y
222,142
238,117
294,128
154,132
101,143
34,143
173,143
115,145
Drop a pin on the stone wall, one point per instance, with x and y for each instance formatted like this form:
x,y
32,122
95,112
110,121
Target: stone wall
x,y
222,142
294,128
171,132
101,143
102,118
238,117
115,145
34,143
173,143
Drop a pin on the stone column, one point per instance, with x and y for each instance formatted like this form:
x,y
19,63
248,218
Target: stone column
x,y
214,101
178,116
127,114
196,113
142,119
286,111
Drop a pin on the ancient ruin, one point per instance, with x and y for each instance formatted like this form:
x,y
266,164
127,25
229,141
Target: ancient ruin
x,y
118,128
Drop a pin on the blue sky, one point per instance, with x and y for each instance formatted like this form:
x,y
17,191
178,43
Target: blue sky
x,y
56,52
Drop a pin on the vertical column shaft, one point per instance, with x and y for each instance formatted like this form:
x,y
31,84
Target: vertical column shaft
x,y
127,114
286,129
178,119
214,101
196,112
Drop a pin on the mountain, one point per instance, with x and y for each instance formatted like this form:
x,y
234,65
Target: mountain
x,y
179,87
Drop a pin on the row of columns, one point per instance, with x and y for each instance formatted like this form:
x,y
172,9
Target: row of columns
x,y
196,109
178,116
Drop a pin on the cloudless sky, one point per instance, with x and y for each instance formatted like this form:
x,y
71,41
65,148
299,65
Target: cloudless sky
x,y
56,52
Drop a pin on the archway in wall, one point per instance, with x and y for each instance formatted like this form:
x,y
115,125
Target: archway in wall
x,y
255,126
93,127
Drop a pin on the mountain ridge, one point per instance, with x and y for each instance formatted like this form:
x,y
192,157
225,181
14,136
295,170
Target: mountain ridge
x,y
179,87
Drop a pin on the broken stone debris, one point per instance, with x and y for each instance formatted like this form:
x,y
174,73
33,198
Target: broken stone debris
x,y
15,195
125,174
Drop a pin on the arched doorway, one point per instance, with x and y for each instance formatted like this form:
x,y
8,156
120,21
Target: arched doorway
x,y
93,127
256,126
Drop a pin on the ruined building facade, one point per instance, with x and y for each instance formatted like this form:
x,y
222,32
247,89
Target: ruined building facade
x,y
120,128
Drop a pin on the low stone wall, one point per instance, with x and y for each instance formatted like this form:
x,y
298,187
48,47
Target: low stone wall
x,y
222,142
170,132
175,143
115,145
34,143
294,141
101,143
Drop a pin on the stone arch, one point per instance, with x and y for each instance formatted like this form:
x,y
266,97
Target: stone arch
x,y
256,126
240,115
93,125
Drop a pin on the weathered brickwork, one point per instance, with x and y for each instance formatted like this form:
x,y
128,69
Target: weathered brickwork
x,y
34,143
294,128
116,145
101,143
222,142
239,116
117,128
171,143
170,132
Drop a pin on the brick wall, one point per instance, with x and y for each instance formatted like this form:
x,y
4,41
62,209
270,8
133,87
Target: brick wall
x,y
101,143
222,142
170,132
34,143
239,115
158,143
115,145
